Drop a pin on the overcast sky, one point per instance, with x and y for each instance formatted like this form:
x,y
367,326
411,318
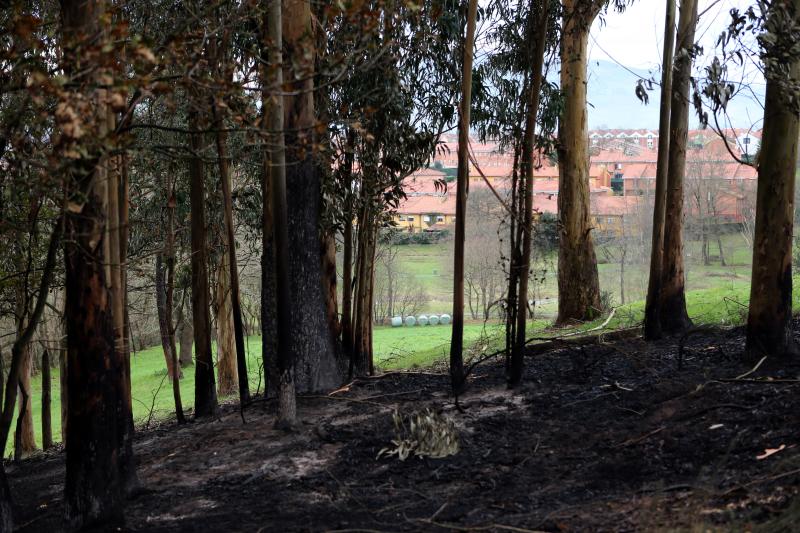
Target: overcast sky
x,y
634,39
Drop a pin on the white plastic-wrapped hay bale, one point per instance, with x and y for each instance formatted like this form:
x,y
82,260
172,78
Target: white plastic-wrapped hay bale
x,y
444,319
397,321
411,321
422,320
433,320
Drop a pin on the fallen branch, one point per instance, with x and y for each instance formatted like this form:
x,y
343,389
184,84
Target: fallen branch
x,y
752,369
631,442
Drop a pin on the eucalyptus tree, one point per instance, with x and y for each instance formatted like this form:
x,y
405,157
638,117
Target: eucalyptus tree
x,y
511,85
462,189
652,311
578,283
673,316
764,36
391,88
99,467
769,319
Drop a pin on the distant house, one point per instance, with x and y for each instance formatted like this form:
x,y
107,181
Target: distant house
x,y
426,213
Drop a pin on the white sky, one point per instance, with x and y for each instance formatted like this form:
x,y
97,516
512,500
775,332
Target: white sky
x,y
634,39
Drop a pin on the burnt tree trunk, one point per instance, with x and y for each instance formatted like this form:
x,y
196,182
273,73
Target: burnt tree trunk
x,y
99,459
205,392
769,330
578,283
652,318
462,190
316,367
673,315
231,262
285,359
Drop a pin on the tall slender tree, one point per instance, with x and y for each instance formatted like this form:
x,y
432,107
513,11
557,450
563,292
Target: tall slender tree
x,y
578,282
285,364
462,190
673,316
532,104
205,393
652,320
316,365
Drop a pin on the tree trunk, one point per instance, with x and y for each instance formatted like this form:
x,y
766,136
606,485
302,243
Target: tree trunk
x,y
347,252
652,319
328,252
27,438
316,367
161,309
47,424
62,388
205,393
462,190
227,378
674,317
578,284
532,104
362,347
286,356
234,296
721,251
96,421
769,330
186,339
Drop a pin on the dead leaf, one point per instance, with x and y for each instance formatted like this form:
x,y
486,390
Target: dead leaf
x,y
770,451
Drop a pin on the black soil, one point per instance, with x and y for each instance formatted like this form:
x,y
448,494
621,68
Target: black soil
x,y
611,437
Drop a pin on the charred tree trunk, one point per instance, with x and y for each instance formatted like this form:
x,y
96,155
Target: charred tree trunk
x,y
652,317
285,353
98,464
47,424
674,317
769,330
231,263
532,104
205,392
462,190
316,367
578,283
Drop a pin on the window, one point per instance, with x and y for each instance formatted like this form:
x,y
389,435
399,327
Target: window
x,y
610,220
426,218
410,219
439,218
746,141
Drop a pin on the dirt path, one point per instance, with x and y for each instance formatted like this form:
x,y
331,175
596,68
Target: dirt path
x,y
605,438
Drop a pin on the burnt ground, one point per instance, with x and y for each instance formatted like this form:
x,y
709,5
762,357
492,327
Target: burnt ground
x,y
612,437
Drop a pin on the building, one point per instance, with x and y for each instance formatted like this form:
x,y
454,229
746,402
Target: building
x,y
622,170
